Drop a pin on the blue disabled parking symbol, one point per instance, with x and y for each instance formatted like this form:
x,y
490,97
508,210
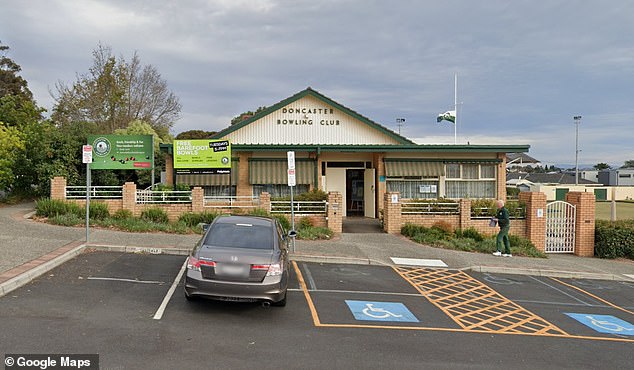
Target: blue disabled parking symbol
x,y
380,311
604,323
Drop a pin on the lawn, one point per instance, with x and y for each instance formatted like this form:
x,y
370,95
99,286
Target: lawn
x,y
624,210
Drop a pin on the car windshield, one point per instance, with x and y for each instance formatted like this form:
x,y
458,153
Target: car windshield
x,y
240,235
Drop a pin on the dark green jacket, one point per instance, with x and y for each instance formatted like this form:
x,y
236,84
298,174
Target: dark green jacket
x,y
503,217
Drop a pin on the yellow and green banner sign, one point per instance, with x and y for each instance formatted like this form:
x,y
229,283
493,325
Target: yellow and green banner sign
x,y
122,152
202,157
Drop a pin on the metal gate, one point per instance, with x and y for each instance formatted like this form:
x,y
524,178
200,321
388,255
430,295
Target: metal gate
x,y
560,227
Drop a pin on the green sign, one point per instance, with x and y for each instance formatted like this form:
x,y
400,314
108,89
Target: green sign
x,y
122,152
202,157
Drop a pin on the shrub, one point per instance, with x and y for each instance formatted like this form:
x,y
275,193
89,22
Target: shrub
x,y
305,223
443,226
68,219
156,215
614,239
410,230
98,211
286,224
470,233
193,219
122,214
258,212
47,207
314,233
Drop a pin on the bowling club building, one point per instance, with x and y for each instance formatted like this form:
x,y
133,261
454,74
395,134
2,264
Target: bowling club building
x,y
338,149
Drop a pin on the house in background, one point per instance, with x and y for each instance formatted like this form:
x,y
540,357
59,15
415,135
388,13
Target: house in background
x,y
554,185
517,161
617,177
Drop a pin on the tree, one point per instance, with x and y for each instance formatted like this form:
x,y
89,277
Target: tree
x,y
116,92
601,166
628,164
246,115
11,144
195,134
10,82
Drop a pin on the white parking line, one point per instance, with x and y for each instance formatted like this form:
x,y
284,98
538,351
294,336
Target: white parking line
x,y
354,292
159,313
126,280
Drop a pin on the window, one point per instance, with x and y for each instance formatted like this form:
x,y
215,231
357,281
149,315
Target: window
x,y
625,175
220,190
279,190
414,189
470,180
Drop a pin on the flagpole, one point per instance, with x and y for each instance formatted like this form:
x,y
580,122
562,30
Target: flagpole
x,y
455,107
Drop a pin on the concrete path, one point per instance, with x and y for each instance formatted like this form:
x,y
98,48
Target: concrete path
x,y
23,240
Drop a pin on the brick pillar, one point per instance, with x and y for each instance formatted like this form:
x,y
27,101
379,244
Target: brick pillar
x,y
535,218
198,200
169,170
129,197
465,213
335,211
584,223
244,188
265,201
392,213
58,188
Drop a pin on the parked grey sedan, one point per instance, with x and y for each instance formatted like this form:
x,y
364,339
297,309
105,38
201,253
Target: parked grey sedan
x,y
240,258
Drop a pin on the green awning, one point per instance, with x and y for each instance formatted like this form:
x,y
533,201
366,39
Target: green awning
x,y
274,171
403,168
211,180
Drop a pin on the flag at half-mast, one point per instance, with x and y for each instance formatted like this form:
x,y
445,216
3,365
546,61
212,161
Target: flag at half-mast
x,y
449,115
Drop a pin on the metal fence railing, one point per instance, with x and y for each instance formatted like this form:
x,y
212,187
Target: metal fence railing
x,y
221,201
430,208
300,207
101,192
486,212
169,196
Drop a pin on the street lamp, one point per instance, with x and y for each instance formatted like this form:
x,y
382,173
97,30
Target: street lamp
x,y
577,120
400,122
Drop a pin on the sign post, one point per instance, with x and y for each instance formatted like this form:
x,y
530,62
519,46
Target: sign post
x,y
292,182
87,158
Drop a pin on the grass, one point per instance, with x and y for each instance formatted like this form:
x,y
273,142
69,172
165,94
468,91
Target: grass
x,y
624,210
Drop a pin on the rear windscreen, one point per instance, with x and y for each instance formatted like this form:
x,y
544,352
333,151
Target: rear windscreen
x,y
228,235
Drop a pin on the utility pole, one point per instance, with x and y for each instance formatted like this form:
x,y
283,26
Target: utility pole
x,y
577,120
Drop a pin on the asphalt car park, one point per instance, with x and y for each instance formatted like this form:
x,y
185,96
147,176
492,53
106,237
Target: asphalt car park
x,y
130,309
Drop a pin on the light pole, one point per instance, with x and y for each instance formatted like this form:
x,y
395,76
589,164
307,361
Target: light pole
x,y
400,122
577,120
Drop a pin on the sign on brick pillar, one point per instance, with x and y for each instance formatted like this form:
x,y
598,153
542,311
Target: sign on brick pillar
x,y
392,213
535,218
584,228
198,199
129,197
335,213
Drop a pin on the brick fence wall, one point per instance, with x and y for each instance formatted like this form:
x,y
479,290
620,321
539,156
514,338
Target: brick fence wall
x,y
533,227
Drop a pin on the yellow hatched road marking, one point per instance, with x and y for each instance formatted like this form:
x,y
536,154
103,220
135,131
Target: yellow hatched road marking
x,y
473,305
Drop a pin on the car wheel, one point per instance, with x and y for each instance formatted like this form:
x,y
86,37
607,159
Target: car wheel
x,y
281,303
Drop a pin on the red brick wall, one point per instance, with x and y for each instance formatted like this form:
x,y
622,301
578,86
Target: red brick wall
x,y
584,228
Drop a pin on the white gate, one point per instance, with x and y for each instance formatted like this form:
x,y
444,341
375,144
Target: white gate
x,y
560,227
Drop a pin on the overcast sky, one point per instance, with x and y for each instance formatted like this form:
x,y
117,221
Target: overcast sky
x,y
525,68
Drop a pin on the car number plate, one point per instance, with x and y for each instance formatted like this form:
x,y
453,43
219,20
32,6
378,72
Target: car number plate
x,y
232,270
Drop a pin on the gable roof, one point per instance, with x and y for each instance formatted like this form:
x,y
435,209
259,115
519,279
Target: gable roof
x,y
310,92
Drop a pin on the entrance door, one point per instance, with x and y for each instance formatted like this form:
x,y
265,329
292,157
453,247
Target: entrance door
x,y
336,181
560,227
368,193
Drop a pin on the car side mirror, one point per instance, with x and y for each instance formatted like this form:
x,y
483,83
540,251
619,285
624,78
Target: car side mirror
x,y
292,233
204,226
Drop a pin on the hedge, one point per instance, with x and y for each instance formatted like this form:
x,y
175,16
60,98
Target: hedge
x,y
614,239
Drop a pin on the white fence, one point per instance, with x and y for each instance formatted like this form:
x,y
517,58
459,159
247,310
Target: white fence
x,y
300,207
429,208
158,197
102,192
231,201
